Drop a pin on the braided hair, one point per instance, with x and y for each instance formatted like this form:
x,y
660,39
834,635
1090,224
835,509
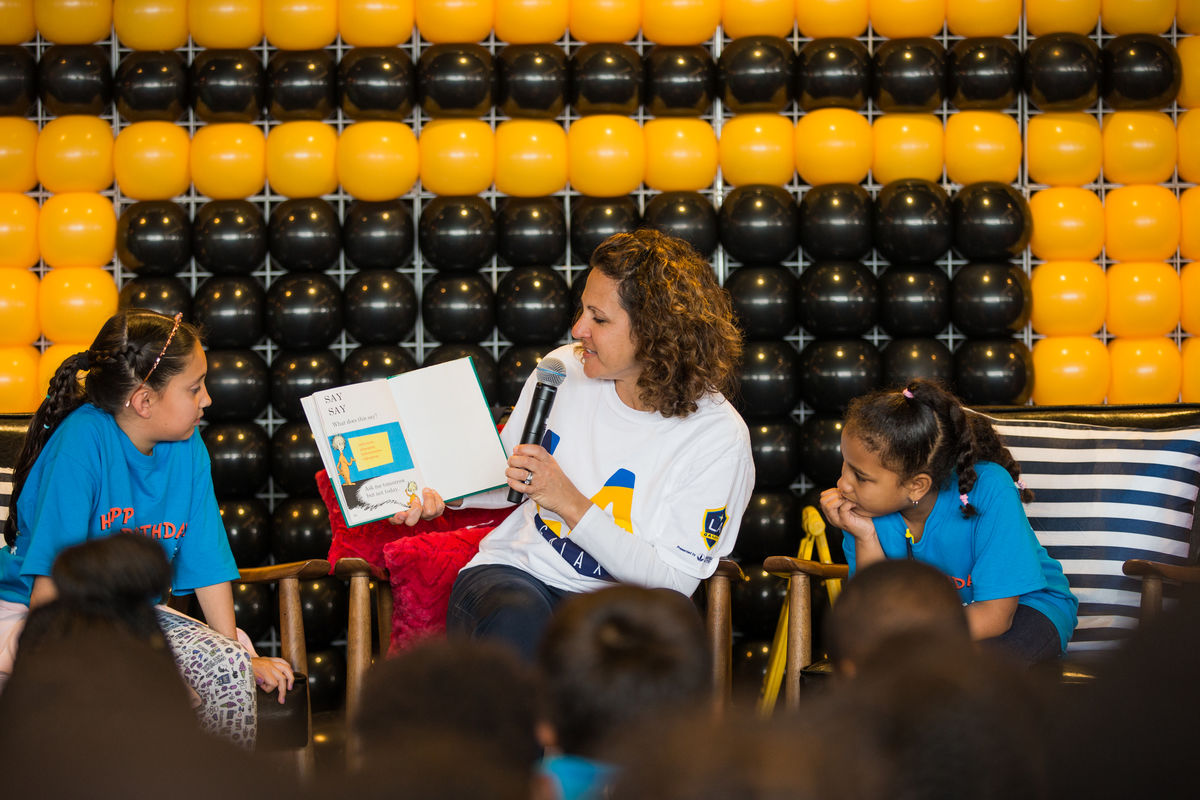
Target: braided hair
x,y
925,428
121,357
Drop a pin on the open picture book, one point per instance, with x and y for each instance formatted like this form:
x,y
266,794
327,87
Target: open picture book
x,y
383,441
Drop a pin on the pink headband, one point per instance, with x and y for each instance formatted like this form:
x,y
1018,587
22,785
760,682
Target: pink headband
x,y
907,394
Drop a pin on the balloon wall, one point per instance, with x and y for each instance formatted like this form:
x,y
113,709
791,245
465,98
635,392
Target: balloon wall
x,y
336,191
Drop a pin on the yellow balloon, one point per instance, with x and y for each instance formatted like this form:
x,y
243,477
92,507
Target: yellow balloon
x,y
1188,129
681,154
1068,224
151,160
983,17
1190,358
1139,147
151,24
1063,149
1062,16
18,149
1137,16
1070,298
377,160
302,159
52,358
1141,223
1188,49
907,146
300,24
229,160
19,323
18,380
1187,17
457,156
833,145
896,19
75,302
757,17
1143,298
531,158
1145,370
75,154
606,155
18,231
757,148
77,229
604,20
820,19
454,20
982,146
1189,296
16,21
1070,370
1189,224
226,24
530,21
680,21
376,23
73,21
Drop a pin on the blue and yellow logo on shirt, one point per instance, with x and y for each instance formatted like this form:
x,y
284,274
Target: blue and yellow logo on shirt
x,y
714,523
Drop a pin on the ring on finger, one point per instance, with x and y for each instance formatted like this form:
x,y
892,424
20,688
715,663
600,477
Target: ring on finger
x,y
528,477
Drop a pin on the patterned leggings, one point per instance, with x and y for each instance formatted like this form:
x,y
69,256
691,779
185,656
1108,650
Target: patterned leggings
x,y
218,671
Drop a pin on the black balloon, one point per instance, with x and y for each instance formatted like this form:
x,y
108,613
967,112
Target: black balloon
x,y
240,453
832,372
821,448
983,73
681,80
833,72
231,310
533,305
606,79
485,365
374,361
914,300
380,306
239,384
531,80
991,221
455,80
458,308
74,79
379,235
304,310
686,215
18,81
247,523
376,83
151,85
530,231
757,602
1139,71
755,74
324,605
457,234
305,234
990,299
912,223
165,294
764,301
907,359
253,608
837,299
836,221
770,384
770,526
295,459
301,84
228,85
326,679
909,75
516,365
594,219
775,446
154,238
993,372
296,375
758,224
1062,72
300,531
229,237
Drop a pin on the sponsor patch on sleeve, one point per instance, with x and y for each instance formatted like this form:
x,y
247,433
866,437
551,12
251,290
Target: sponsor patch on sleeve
x,y
714,523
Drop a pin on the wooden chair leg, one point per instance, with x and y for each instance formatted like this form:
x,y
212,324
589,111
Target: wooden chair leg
x,y
1152,598
799,651
358,641
294,651
720,637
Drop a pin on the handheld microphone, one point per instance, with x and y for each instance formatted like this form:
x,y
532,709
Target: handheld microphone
x,y
550,374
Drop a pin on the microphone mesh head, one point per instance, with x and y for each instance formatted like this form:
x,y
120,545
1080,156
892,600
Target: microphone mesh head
x,y
551,372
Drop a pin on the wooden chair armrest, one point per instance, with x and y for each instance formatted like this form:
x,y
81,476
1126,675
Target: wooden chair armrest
x,y
1140,568
727,568
357,567
787,566
300,570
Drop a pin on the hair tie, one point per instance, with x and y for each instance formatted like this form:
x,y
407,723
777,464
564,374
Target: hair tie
x,y
1020,484
44,425
963,498
907,393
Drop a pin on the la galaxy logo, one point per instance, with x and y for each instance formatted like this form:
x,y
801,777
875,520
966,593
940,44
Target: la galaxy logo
x,y
714,523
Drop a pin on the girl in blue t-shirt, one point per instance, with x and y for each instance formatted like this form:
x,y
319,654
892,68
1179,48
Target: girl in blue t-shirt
x,y
925,478
121,452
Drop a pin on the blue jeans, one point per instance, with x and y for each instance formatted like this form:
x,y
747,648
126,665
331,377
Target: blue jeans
x,y
1031,640
502,603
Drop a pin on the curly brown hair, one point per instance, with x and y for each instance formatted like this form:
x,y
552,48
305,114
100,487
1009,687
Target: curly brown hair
x,y
681,319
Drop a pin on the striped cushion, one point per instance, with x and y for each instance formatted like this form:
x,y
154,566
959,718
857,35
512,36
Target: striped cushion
x,y
1105,495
